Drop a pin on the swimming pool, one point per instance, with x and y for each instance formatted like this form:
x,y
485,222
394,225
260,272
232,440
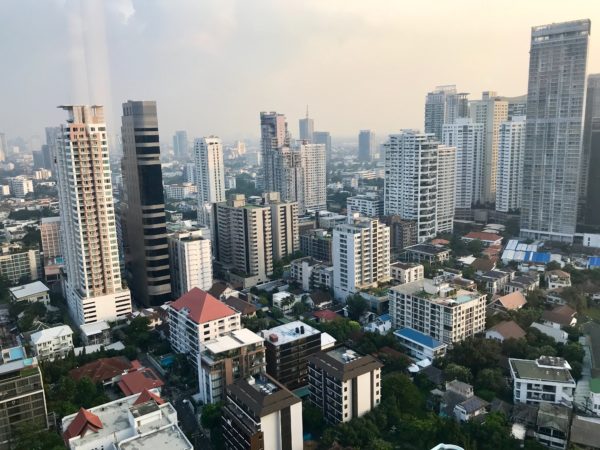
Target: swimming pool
x,y
16,353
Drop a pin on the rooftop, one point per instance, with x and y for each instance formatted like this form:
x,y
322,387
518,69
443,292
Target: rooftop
x,y
427,249
171,438
418,337
262,394
139,381
562,315
201,307
289,332
445,296
585,431
405,265
90,329
482,236
509,329
343,363
232,340
595,385
102,369
533,370
514,300
51,334
24,291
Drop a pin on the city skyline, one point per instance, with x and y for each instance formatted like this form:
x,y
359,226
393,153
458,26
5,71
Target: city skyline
x,y
285,40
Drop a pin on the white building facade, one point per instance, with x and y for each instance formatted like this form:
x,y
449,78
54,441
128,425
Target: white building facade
x,y
509,181
190,257
210,175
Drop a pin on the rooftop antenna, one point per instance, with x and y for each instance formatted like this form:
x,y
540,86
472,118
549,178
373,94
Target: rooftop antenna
x,y
307,111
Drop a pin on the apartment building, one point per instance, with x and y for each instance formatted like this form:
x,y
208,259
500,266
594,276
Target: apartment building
x,y
52,343
369,205
226,359
198,317
21,265
407,272
361,255
311,274
509,181
444,105
284,225
20,186
437,309
317,244
50,234
31,292
210,175
343,384
190,259
261,414
403,233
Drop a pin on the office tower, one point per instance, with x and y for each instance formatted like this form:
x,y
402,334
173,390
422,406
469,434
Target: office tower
x,y
511,144
590,172
242,240
259,413
226,359
307,128
314,189
468,138
284,225
343,384
50,235
323,137
361,255
366,145
444,105
273,136
553,141
210,175
3,147
23,403
403,233
198,317
93,286
446,184
190,258
181,146
411,182
142,206
287,348
490,111
437,309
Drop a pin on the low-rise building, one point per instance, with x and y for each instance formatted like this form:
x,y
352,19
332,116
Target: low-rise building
x,y
523,283
180,191
226,359
508,329
381,325
420,346
560,316
260,413
585,432
552,426
544,380
31,292
460,402
370,204
437,309
140,379
486,239
198,317
311,273
139,421
509,302
407,272
343,384
593,400
431,254
285,301
317,244
52,343
495,280
556,279
555,333
107,371
20,265
95,333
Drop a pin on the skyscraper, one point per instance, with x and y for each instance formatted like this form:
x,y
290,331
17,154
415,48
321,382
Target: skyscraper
x,y
180,145
143,219
3,147
191,262
307,128
444,105
511,143
210,175
446,183
323,137
467,137
93,286
553,140
273,136
490,111
413,190
590,166
314,174
366,145
284,225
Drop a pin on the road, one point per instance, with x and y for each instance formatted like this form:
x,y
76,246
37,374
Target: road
x,y
582,391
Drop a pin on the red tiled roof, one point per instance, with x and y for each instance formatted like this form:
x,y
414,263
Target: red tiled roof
x,y
202,307
439,241
102,369
514,300
84,421
483,236
146,396
562,315
326,314
139,381
509,329
240,305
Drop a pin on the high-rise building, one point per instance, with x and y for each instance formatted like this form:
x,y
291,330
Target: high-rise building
x,y
553,141
243,240
93,286
52,134
143,220
589,192
20,186
190,259
3,147
490,111
446,184
361,255
289,174
467,137
307,128
284,225
413,182
324,137
273,135
403,233
444,105
366,145
189,173
369,204
517,106
314,174
19,266
181,146
511,143
210,175
50,235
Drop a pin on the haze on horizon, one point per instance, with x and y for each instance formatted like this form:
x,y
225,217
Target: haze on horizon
x,y
213,65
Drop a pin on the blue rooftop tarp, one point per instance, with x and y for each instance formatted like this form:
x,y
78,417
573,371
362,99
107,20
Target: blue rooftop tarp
x,y
594,261
537,257
416,336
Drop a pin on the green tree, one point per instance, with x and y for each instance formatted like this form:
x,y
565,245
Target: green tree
x,y
28,436
456,372
357,306
475,247
211,415
312,420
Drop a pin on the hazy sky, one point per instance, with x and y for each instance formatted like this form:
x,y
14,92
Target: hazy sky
x,y
213,65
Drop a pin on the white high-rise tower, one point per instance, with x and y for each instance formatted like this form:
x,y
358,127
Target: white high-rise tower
x,y
511,143
93,284
210,175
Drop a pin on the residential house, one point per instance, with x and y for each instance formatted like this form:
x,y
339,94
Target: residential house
x,y
486,239
552,426
52,343
510,302
31,292
419,345
505,330
557,279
